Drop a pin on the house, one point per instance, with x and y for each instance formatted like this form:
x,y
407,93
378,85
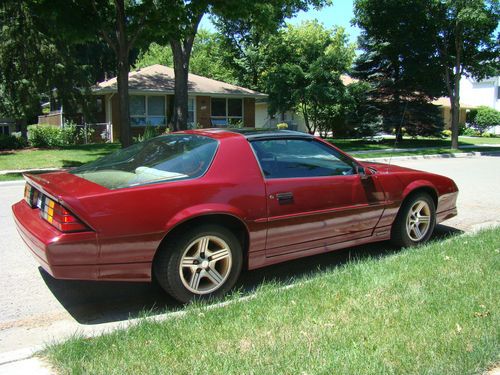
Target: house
x,y
7,126
477,93
211,103
473,93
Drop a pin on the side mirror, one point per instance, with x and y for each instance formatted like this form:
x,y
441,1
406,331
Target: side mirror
x,y
363,172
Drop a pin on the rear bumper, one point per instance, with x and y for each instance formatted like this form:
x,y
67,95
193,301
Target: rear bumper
x,y
72,256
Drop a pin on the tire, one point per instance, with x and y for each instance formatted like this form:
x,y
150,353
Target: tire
x,y
201,263
415,221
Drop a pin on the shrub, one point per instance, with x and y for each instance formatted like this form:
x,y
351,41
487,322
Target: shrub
x,y
485,118
71,135
282,125
50,136
44,136
446,133
11,142
461,128
470,132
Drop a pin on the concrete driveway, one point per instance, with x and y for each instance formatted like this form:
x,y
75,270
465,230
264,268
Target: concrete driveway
x,y
35,308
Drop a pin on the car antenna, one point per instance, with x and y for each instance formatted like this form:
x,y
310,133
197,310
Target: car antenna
x,y
398,132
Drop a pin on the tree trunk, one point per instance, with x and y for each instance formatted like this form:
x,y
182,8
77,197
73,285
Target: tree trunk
x,y
122,51
181,51
306,118
123,102
455,97
181,70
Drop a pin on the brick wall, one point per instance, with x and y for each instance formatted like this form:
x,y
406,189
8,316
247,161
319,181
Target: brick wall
x,y
203,111
249,112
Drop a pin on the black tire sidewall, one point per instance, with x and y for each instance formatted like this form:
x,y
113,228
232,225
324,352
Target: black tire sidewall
x,y
399,235
166,267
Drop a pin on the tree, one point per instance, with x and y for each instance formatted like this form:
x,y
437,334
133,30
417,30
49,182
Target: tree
x,y
34,64
305,73
426,46
179,24
118,23
465,43
398,61
485,118
206,60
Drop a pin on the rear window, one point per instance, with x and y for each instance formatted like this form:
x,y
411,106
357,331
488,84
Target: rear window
x,y
166,158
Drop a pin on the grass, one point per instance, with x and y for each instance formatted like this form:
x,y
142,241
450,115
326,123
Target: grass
x,y
70,156
432,310
11,176
366,145
423,151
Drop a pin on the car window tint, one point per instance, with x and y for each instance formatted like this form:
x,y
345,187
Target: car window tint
x,y
291,158
165,158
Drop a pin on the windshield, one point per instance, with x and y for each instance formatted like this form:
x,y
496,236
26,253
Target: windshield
x,y
166,158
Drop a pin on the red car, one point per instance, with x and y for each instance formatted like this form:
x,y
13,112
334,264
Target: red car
x,y
193,208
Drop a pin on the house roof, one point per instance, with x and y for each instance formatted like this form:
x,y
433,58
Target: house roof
x,y
444,101
161,79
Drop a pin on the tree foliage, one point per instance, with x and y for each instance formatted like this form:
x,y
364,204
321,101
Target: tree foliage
x,y
207,58
178,25
34,64
423,47
485,118
306,64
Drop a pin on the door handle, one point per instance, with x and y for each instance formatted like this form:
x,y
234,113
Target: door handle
x,y
285,198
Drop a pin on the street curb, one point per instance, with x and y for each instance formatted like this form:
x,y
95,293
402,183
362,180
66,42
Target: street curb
x,y
19,355
12,183
388,159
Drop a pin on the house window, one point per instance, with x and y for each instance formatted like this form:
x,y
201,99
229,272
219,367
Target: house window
x,y
191,118
226,112
498,92
148,110
4,129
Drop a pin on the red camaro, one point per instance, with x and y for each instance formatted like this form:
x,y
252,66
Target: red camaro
x,y
193,208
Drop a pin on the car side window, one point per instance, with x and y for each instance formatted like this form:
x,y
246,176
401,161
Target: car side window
x,y
291,158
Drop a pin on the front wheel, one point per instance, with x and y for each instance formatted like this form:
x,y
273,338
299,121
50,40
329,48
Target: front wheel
x,y
415,221
202,262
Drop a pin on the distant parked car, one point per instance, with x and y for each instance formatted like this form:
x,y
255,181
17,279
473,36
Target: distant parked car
x,y
192,209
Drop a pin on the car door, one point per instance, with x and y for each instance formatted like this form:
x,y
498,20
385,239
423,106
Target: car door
x,y
315,197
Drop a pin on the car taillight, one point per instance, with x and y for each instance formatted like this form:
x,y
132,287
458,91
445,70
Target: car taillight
x,y
60,217
31,195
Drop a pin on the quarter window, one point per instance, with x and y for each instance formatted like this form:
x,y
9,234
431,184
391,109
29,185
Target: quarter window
x,y
226,112
292,158
147,110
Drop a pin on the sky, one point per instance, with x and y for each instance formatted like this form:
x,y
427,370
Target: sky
x,y
339,14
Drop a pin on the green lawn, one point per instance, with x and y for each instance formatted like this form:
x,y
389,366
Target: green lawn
x,y
362,144
70,156
422,151
428,310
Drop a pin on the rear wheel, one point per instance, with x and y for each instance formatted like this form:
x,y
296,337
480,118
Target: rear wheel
x,y
202,262
415,221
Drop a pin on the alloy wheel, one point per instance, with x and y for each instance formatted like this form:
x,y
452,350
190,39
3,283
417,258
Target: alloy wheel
x,y
418,220
205,264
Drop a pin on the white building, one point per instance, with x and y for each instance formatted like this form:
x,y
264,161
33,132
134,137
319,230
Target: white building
x,y
477,93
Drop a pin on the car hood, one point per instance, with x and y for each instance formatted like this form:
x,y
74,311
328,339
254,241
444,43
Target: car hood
x,y
385,168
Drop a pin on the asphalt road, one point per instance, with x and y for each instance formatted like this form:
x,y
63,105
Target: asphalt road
x,y
35,308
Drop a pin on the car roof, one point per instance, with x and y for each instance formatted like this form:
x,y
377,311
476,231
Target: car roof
x,y
256,133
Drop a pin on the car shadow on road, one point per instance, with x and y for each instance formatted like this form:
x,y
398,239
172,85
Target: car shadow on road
x,y
92,303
